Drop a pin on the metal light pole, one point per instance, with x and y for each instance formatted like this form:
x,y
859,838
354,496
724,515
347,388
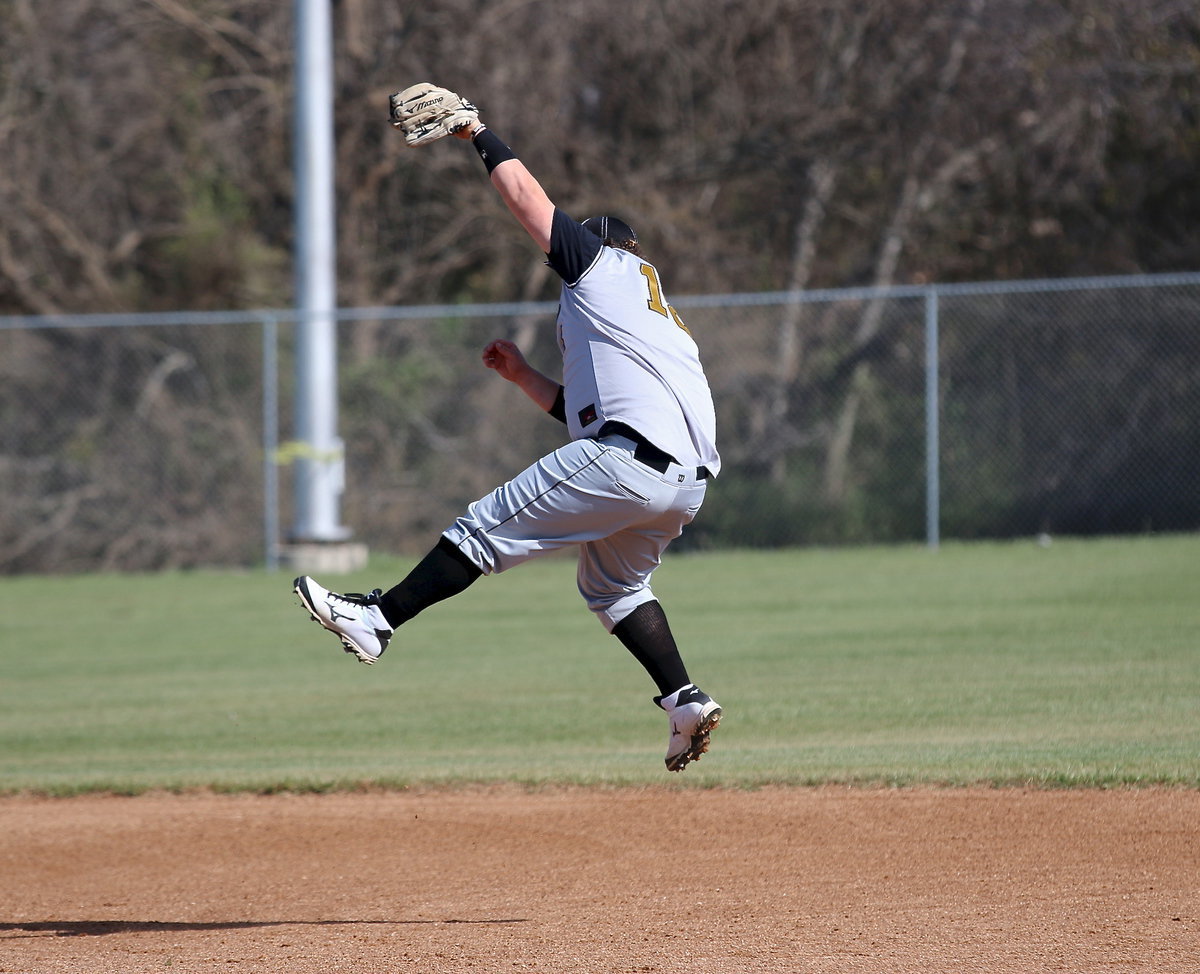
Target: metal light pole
x,y
320,467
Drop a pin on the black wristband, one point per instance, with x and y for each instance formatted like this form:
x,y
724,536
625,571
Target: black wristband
x,y
491,148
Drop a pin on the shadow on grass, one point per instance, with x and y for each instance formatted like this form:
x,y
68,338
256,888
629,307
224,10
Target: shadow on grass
x,y
102,928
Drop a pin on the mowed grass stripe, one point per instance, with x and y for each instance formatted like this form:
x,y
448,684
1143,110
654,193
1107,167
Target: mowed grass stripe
x,y
1074,664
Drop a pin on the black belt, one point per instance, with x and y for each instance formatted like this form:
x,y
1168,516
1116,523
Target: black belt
x,y
645,451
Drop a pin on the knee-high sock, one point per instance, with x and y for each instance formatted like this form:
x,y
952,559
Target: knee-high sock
x,y
647,635
442,573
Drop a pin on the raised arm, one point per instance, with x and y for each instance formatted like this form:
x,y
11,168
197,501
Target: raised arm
x,y
522,194
425,112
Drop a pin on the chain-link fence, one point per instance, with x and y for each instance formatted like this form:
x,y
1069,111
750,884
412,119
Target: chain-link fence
x,y
902,414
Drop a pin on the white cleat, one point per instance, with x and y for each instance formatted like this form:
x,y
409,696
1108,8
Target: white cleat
x,y
355,619
693,715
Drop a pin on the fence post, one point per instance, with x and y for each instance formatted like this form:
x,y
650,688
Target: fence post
x,y
932,445
270,441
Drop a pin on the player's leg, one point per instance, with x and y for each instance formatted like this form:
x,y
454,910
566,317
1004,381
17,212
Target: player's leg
x,y
365,623
441,574
622,515
647,635
553,503
614,577
567,498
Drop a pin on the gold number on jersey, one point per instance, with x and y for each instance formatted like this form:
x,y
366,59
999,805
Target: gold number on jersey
x,y
656,303
656,296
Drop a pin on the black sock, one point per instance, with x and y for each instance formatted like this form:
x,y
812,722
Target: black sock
x,y
646,634
444,572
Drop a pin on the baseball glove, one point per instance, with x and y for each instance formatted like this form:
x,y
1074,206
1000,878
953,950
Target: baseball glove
x,y
426,113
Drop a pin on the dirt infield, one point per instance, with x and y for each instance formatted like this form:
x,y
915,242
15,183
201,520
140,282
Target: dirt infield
x,y
575,880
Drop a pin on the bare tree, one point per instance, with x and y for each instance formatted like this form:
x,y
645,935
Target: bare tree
x,y
756,144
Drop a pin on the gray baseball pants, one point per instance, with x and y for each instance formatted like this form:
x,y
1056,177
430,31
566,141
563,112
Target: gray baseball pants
x,y
592,494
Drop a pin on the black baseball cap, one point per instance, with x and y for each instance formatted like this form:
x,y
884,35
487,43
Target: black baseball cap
x,y
611,228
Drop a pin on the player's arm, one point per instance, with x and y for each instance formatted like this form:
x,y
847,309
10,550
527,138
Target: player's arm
x,y
425,112
510,364
522,194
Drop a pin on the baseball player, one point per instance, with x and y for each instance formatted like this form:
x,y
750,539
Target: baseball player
x,y
639,413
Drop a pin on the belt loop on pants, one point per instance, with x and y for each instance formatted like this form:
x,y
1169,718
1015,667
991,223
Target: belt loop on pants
x,y
645,451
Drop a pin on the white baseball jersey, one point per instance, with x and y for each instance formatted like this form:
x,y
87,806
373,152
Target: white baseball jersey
x,y
628,359
627,356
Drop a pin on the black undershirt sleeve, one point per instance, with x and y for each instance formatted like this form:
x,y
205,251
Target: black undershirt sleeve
x,y
573,248
559,409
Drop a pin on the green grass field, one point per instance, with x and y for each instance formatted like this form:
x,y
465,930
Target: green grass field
x,y
1075,664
